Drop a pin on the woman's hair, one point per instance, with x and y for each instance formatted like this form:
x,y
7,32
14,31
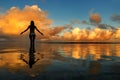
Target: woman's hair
x,y
32,23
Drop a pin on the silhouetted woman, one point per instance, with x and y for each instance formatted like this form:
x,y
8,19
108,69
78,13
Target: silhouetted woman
x,y
32,28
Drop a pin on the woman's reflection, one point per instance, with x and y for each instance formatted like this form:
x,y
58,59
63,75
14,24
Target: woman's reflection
x,y
32,59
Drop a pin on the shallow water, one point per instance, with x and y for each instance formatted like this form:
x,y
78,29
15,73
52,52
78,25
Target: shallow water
x,y
59,61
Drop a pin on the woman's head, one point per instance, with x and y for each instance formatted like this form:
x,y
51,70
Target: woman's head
x,y
32,23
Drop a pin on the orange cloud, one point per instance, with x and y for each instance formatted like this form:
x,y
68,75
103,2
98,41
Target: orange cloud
x,y
95,18
96,34
117,33
15,20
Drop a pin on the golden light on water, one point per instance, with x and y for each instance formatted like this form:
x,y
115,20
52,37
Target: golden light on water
x,y
75,51
11,58
117,48
89,50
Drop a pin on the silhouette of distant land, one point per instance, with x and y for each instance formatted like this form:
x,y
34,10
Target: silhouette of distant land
x,y
61,42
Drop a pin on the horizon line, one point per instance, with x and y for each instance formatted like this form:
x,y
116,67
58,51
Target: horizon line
x,y
60,42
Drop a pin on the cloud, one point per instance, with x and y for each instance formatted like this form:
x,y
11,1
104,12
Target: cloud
x,y
95,18
106,26
115,18
100,31
117,34
16,20
96,34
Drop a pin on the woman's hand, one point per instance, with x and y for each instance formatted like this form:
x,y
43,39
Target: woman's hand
x,y
21,33
42,34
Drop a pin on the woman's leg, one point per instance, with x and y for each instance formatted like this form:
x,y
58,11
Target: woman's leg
x,y
32,42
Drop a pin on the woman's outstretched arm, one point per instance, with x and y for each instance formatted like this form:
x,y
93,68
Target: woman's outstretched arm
x,y
39,31
24,30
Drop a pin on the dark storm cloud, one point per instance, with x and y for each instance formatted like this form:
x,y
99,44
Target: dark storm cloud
x,y
105,26
115,18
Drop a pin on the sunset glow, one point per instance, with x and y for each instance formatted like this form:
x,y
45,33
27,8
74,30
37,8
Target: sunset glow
x,y
13,23
60,40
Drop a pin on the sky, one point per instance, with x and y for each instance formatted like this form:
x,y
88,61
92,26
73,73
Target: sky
x,y
64,11
61,15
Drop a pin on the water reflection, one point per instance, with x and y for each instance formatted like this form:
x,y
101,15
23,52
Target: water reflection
x,y
90,59
50,51
32,59
76,51
90,51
